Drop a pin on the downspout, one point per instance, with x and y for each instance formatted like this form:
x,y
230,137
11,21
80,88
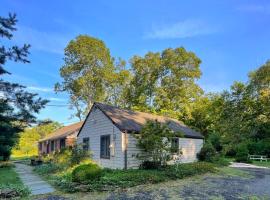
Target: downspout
x,y
125,152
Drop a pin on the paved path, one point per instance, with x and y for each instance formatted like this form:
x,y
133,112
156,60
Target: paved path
x,y
245,165
32,181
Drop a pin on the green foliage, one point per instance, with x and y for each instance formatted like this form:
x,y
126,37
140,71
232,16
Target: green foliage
x,y
215,140
189,169
90,74
18,106
28,142
113,179
63,160
207,153
261,147
154,141
242,153
78,155
86,172
10,181
48,168
164,81
241,114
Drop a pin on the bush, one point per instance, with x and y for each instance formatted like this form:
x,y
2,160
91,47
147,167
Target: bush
x,y
207,153
215,140
78,155
189,169
221,161
150,165
242,153
261,147
48,168
86,172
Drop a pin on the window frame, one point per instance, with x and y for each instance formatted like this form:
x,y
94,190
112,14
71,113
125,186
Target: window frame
x,y
106,153
86,139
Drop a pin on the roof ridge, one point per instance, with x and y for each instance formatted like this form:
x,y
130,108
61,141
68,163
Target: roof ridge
x,y
135,111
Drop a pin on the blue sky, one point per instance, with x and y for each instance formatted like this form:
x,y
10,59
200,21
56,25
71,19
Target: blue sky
x,y
231,37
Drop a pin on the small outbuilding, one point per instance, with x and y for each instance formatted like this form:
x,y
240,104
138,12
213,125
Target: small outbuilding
x,y
108,133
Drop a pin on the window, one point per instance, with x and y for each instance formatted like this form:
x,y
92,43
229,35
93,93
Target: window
x,y
86,144
175,145
105,146
62,143
52,145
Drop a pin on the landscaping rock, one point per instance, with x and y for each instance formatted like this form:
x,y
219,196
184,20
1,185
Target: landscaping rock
x,y
8,193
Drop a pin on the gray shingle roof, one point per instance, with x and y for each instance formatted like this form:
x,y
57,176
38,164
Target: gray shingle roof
x,y
132,121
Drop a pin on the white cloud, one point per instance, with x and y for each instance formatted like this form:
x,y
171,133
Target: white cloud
x,y
57,99
255,8
40,89
45,41
183,29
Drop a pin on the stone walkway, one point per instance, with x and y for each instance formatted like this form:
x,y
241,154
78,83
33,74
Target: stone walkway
x,y
32,181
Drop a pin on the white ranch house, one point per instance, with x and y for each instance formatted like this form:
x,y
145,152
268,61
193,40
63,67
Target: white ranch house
x,y
106,132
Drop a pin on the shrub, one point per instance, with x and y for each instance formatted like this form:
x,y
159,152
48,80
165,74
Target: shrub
x,y
215,140
189,169
150,165
207,153
242,153
78,155
48,168
221,161
86,172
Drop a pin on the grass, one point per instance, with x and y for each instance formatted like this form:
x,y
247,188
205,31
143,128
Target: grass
x,y
9,176
263,163
11,181
229,171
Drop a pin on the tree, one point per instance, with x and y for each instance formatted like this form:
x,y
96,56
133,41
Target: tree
x,y
89,74
165,82
154,140
28,142
17,106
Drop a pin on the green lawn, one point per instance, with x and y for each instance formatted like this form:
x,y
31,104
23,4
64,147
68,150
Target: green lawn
x,y
263,163
9,176
9,179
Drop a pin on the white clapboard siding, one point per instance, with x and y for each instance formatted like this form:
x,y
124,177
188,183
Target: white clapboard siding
x,y
98,124
133,152
190,147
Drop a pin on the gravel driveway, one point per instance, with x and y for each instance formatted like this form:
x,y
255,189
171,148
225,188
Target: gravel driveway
x,y
255,186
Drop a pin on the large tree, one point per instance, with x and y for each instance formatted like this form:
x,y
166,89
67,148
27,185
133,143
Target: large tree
x,y
90,74
165,82
17,106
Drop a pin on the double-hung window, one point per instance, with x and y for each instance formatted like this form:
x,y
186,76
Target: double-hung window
x,y
105,141
86,144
